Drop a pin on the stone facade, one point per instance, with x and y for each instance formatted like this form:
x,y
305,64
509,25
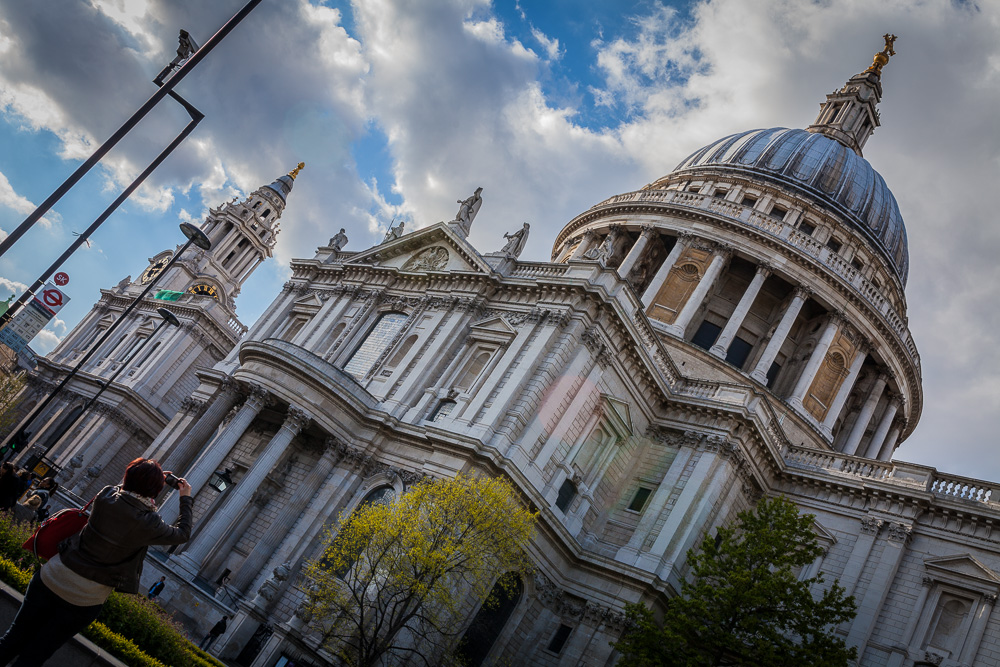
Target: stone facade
x,y
733,330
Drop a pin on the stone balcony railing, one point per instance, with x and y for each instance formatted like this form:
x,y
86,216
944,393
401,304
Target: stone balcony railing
x,y
897,473
780,229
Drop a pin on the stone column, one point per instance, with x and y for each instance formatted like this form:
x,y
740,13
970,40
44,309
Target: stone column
x,y
889,446
870,604
663,271
219,449
286,518
815,360
648,232
742,308
870,528
865,416
182,454
882,430
589,237
694,301
239,497
845,390
780,334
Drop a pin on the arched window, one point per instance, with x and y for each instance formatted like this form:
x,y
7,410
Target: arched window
x,y
472,369
266,213
401,351
382,495
293,328
442,410
148,354
374,344
64,425
489,621
332,337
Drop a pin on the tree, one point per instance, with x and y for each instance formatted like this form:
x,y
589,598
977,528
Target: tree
x,y
743,604
11,385
396,579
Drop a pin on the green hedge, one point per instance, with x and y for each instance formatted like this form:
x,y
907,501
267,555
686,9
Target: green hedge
x,y
126,621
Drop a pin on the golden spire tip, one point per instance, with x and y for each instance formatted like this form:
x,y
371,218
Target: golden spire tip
x,y
295,172
882,57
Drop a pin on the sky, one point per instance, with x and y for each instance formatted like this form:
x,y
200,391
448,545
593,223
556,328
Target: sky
x,y
400,108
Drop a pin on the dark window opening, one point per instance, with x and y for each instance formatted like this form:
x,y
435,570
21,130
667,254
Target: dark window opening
x,y
772,374
266,213
738,352
720,193
807,228
639,499
231,254
749,201
778,212
567,492
706,335
558,640
256,206
489,621
695,189
148,354
834,245
858,264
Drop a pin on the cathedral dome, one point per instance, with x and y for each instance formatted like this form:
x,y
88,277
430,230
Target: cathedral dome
x,y
818,167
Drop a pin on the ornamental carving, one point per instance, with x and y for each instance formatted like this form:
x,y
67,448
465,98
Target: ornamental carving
x,y
191,405
565,607
871,526
900,532
428,259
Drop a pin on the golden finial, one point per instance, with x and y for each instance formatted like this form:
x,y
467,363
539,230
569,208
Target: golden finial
x,y
882,57
295,172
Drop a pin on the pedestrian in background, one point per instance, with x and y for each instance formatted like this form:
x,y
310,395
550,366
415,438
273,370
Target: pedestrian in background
x,y
213,634
156,589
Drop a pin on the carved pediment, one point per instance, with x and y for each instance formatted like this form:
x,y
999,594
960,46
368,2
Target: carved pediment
x,y
493,329
823,536
962,569
309,304
619,413
434,248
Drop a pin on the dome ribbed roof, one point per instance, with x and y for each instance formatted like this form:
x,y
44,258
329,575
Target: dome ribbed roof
x,y
820,168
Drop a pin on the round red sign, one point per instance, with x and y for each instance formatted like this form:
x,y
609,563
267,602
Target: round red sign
x,y
52,297
62,278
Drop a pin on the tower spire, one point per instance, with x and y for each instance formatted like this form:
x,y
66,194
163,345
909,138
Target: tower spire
x,y
850,115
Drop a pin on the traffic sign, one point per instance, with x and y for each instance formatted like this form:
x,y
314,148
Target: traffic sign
x,y
62,278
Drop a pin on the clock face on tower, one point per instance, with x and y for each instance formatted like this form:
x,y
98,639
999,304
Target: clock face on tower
x,y
202,289
153,270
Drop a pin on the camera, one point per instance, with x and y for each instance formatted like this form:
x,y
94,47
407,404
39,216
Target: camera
x,y
171,480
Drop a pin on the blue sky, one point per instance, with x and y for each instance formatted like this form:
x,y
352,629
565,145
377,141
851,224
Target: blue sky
x,y
400,108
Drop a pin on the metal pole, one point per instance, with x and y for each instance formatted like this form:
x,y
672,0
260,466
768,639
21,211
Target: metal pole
x,y
126,193
168,318
195,236
161,92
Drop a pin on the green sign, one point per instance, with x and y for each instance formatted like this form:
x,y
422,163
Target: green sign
x,y
168,295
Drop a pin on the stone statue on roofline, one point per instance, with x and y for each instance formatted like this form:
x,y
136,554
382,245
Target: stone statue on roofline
x,y
516,242
394,232
467,210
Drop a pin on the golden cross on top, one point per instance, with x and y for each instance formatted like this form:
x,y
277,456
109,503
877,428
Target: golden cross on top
x,y
295,172
882,57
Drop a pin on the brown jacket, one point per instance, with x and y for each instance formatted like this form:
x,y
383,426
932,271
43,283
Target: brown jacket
x,y
112,547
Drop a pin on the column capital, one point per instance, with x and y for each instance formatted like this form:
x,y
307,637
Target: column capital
x,y
229,385
836,317
899,532
296,420
647,230
871,525
589,234
257,397
802,292
765,269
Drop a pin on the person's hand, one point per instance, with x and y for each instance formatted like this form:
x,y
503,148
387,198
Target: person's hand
x,y
183,487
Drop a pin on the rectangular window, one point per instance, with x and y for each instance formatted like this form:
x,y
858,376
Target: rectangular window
x,y
639,499
834,245
377,340
749,200
772,373
706,335
738,352
858,264
567,492
778,212
558,641
807,228
694,189
720,193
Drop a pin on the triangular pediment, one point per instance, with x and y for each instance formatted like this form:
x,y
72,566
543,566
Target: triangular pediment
x,y
823,535
308,304
434,248
619,411
494,329
961,566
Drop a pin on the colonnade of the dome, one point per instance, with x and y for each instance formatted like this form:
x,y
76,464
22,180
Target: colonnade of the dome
x,y
812,327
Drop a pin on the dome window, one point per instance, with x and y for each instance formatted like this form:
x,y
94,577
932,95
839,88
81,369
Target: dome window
x,y
694,189
807,228
834,245
858,264
749,200
256,206
266,213
720,193
778,212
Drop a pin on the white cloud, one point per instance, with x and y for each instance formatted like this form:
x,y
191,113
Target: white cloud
x,y
7,285
549,45
21,204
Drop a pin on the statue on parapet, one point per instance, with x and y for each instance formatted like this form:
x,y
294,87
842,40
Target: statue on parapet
x,y
467,210
338,241
516,242
394,232
602,253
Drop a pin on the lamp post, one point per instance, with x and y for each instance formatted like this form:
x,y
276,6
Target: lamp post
x,y
195,236
164,90
221,480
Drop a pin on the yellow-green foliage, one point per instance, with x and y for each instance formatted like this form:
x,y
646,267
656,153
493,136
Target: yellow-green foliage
x,y
124,649
415,562
13,533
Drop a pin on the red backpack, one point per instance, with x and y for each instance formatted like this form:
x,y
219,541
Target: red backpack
x,y
44,542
